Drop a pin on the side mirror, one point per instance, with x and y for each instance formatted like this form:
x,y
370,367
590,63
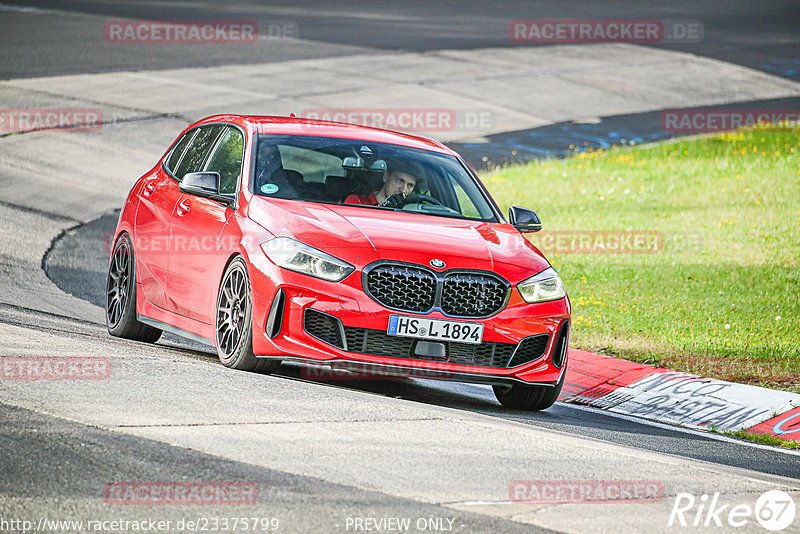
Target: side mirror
x,y
204,184
523,219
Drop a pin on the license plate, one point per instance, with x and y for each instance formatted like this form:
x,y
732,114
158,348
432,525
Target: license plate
x,y
438,329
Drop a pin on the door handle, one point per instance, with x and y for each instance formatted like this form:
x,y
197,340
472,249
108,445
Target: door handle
x,y
149,188
183,207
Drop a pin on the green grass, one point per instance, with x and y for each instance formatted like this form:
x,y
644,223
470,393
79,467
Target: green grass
x,y
722,298
764,439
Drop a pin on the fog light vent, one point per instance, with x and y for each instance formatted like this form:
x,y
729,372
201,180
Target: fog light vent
x,y
530,349
324,327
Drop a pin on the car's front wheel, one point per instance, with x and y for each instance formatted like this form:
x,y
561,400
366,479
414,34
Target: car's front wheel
x,y
121,296
234,322
522,397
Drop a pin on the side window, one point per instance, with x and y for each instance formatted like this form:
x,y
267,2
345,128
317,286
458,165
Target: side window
x,y
177,152
198,150
227,160
468,199
467,207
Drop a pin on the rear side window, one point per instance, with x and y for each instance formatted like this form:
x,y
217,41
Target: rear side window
x,y
177,152
197,151
227,160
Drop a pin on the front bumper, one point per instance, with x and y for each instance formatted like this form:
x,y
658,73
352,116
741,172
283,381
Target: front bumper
x,y
522,343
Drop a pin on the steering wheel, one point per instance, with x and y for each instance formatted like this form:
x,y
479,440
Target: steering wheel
x,y
399,200
416,198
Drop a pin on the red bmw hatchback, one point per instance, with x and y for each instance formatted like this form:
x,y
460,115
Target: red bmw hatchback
x,y
283,239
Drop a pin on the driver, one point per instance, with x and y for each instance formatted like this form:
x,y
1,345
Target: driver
x,y
394,183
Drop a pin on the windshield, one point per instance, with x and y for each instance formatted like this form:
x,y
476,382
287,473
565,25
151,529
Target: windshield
x,y
367,174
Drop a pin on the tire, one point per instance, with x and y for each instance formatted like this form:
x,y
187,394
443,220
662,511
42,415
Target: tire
x,y
233,326
121,295
534,398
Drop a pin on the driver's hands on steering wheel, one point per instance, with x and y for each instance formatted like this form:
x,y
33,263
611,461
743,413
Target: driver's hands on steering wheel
x,y
395,201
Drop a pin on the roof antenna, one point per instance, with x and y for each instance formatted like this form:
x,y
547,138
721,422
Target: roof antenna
x,y
292,115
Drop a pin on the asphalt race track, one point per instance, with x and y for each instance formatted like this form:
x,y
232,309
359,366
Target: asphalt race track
x,y
762,35
328,456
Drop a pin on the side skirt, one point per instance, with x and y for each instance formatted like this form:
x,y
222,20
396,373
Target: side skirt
x,y
173,330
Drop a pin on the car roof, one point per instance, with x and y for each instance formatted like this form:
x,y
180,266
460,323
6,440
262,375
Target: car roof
x,y
300,126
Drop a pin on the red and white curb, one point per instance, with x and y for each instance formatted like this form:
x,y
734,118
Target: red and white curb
x,y
669,396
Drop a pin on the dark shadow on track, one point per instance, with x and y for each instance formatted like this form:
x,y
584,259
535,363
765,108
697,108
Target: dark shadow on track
x,y
564,139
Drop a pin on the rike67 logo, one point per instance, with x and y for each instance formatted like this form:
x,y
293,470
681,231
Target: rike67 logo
x,y
774,510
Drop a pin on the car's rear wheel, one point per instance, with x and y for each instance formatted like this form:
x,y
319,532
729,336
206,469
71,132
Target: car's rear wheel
x,y
522,397
234,322
121,296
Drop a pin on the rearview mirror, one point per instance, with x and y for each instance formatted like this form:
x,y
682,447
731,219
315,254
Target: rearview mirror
x,y
206,185
358,163
523,219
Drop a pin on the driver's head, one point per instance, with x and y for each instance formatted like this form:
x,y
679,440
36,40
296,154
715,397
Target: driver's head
x,y
396,182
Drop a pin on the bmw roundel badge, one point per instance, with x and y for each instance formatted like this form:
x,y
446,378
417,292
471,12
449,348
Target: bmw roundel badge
x,y
437,264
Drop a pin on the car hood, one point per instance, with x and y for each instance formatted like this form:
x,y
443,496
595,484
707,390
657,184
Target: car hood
x,y
399,235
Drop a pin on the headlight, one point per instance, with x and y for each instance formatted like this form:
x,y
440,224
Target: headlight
x,y
296,256
544,286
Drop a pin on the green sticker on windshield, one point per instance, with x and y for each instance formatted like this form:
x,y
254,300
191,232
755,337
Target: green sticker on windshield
x,y
269,189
